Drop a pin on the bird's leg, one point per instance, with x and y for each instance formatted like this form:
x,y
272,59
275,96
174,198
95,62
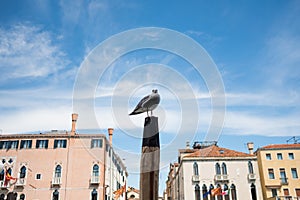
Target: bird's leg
x,y
147,113
151,112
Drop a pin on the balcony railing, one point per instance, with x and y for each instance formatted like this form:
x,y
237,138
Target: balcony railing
x,y
284,181
95,180
56,181
223,177
195,178
251,177
21,182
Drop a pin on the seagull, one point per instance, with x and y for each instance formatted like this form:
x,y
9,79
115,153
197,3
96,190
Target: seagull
x,y
148,103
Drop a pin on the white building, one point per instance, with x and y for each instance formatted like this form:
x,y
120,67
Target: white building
x,y
208,166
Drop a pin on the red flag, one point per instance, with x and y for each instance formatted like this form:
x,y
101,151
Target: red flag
x,y
8,178
217,191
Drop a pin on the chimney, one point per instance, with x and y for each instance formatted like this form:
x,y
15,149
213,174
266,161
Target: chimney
x,y
250,147
187,145
110,134
74,120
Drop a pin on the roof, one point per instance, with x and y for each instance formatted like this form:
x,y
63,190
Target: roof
x,y
280,146
215,151
53,134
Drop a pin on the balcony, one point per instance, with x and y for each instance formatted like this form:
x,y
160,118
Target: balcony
x,y
95,180
284,181
219,177
21,182
195,178
56,181
2,186
251,177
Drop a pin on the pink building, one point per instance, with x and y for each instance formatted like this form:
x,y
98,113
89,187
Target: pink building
x,y
59,166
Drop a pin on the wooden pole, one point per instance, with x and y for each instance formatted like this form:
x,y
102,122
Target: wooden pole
x,y
150,158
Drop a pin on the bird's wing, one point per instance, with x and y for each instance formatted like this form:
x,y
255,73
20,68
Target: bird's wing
x,y
140,104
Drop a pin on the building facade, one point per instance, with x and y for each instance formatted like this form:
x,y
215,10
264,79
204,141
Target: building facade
x,y
279,167
208,166
59,166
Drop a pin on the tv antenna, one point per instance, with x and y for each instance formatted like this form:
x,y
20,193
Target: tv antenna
x,y
294,139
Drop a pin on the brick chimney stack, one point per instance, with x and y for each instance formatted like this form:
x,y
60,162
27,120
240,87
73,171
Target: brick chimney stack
x,y
250,146
110,134
74,120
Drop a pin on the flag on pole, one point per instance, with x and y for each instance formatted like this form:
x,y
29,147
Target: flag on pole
x,y
8,178
225,192
207,193
120,191
217,191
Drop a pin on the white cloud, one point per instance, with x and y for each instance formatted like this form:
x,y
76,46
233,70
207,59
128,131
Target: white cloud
x,y
28,51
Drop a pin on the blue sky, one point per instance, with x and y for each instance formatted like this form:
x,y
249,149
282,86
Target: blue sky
x,y
254,44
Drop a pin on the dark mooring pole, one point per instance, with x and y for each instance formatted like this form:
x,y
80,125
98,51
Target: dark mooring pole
x,y
149,168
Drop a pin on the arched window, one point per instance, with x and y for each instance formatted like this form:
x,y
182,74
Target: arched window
x,y
95,170
250,167
233,192
253,192
196,172
2,196
218,170
22,197
94,194
219,197
204,192
57,171
9,171
23,172
224,169
226,191
2,175
197,192
55,195
210,188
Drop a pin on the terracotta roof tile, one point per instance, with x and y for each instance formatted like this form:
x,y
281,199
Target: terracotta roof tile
x,y
281,146
215,151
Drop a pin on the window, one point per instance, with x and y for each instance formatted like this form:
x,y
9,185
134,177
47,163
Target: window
x,y
233,192
253,192
294,173
250,167
274,192
94,194
23,172
226,192
95,170
279,156
96,143
9,144
60,144
26,144
197,192
195,166
218,170
224,169
219,197
22,197
268,156
41,144
204,192
57,171
2,196
283,176
286,192
271,174
55,195
210,188
38,176
291,156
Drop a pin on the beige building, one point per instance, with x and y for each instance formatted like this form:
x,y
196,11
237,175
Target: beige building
x,y
279,167
59,165
208,166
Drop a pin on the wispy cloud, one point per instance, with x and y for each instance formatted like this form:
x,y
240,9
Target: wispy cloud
x,y
28,51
